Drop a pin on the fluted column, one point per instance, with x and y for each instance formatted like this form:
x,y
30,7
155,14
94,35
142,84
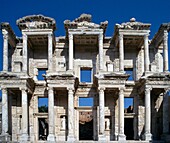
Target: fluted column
x,y
70,115
100,40
121,135
25,53
166,112
146,53
51,135
50,53
147,135
70,51
165,47
5,50
24,102
121,53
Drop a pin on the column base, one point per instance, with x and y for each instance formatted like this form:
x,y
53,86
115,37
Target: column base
x,y
24,137
70,138
5,137
147,136
102,138
51,138
121,137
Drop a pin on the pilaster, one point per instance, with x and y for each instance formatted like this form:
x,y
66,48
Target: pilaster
x,y
147,134
121,135
51,135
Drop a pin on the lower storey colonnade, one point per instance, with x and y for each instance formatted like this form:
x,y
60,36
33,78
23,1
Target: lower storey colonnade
x,y
71,117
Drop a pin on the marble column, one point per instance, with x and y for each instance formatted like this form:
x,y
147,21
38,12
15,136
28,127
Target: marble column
x,y
102,136
5,50
165,48
50,53
70,137
24,102
121,53
70,51
146,53
147,135
51,124
166,112
25,53
100,40
121,135
5,121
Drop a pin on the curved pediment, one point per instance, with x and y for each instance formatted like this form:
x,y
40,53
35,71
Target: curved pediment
x,y
36,22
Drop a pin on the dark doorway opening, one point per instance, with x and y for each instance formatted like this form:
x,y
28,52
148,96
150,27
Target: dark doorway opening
x,y
86,130
43,128
129,131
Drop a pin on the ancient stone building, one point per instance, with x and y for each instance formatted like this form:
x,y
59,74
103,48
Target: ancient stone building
x,y
80,65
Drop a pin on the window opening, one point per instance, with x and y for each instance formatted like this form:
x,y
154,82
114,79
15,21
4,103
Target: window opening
x,y
86,75
41,72
128,105
43,105
130,72
86,101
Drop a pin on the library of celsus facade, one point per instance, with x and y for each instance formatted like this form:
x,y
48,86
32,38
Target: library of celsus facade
x,y
69,72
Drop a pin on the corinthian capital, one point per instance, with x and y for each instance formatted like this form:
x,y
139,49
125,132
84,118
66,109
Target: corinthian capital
x,y
70,36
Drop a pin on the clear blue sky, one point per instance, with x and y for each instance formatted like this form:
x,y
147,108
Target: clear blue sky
x,y
115,11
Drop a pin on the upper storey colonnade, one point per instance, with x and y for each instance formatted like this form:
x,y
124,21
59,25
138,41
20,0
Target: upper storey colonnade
x,y
39,25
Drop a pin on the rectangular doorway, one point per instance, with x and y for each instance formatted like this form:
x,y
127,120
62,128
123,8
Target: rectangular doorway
x,y
129,129
85,125
42,129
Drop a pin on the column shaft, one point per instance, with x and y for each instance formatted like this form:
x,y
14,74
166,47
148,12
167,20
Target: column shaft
x,y
4,111
50,53
51,136
121,53
5,50
101,112
25,53
165,47
100,40
146,53
148,135
70,115
121,135
70,51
